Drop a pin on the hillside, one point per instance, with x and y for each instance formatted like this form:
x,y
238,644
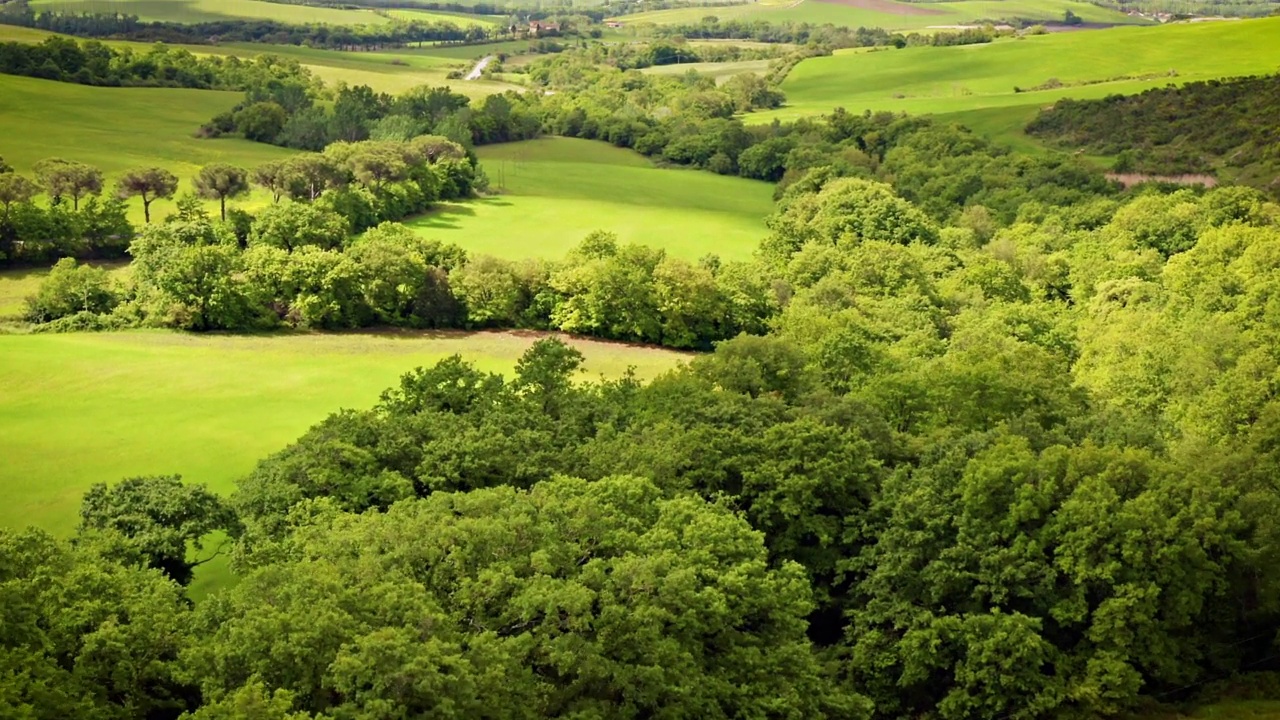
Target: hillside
x,y
1225,128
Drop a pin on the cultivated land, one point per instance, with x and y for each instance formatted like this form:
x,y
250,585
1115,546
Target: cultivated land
x,y
557,190
192,11
887,13
92,407
976,82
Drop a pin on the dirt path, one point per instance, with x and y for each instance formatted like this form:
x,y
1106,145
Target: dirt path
x,y
479,68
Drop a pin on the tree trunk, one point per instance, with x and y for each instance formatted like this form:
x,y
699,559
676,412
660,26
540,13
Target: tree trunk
x,y
146,209
222,200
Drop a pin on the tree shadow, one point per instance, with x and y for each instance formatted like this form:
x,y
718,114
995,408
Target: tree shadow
x,y
446,216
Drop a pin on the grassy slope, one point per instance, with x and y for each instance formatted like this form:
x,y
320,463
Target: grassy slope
x,y
974,84
721,71
190,11
436,16
120,128
945,13
559,189
85,408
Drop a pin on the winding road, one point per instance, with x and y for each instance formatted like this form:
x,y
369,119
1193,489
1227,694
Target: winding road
x,y
479,68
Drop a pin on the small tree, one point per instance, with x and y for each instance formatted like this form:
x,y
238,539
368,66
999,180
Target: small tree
x,y
220,181
148,183
15,189
70,289
5,167
65,178
273,177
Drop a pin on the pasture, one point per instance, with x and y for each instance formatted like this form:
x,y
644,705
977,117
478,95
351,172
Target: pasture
x,y
97,407
886,14
552,192
976,83
194,11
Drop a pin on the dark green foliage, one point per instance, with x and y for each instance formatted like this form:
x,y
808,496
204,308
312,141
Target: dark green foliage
x,y
154,522
1215,126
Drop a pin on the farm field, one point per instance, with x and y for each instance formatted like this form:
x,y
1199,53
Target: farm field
x,y
887,13
91,407
555,191
721,71
436,16
193,11
975,83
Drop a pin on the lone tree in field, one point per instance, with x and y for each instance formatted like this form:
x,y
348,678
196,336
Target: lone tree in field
x,y
220,181
65,178
148,183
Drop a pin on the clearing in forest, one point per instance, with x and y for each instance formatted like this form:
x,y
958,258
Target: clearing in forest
x,y
552,192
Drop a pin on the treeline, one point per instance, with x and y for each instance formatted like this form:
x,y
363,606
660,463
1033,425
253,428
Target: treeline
x,y
333,37
635,56
75,222
284,116
1014,473
93,63
833,36
1226,126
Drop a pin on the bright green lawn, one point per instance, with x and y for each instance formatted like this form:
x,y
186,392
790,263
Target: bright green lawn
x,y
192,11
974,77
83,408
557,190
903,16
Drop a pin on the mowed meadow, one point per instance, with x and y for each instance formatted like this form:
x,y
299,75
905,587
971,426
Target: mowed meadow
x,y
83,408
552,192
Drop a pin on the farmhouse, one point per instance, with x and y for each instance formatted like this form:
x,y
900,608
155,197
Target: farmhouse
x,y
537,28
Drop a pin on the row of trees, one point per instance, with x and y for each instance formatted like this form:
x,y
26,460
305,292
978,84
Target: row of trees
x,y
337,37
93,63
1025,473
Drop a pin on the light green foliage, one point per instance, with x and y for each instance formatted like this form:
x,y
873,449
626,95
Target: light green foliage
x,y
71,288
291,225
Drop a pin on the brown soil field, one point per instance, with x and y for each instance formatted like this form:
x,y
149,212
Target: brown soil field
x,y
887,6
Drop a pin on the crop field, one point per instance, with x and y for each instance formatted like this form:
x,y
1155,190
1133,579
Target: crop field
x,y
437,16
555,191
192,11
721,71
975,83
93,407
887,13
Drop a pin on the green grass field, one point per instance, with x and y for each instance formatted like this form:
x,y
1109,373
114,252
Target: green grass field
x,y
887,13
437,16
974,84
557,190
192,11
93,407
721,71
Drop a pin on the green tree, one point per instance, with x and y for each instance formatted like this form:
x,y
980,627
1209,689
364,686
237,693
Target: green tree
x,y
156,522
64,178
262,121
290,225
149,184
220,181
71,288
15,189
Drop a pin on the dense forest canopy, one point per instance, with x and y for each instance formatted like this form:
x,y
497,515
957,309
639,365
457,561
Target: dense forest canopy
x,y
975,433
1225,127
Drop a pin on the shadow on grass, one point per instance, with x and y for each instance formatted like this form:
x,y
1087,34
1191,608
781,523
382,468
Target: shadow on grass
x,y
446,216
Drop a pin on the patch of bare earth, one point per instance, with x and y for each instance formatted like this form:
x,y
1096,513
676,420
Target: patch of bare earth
x,y
1130,179
887,6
